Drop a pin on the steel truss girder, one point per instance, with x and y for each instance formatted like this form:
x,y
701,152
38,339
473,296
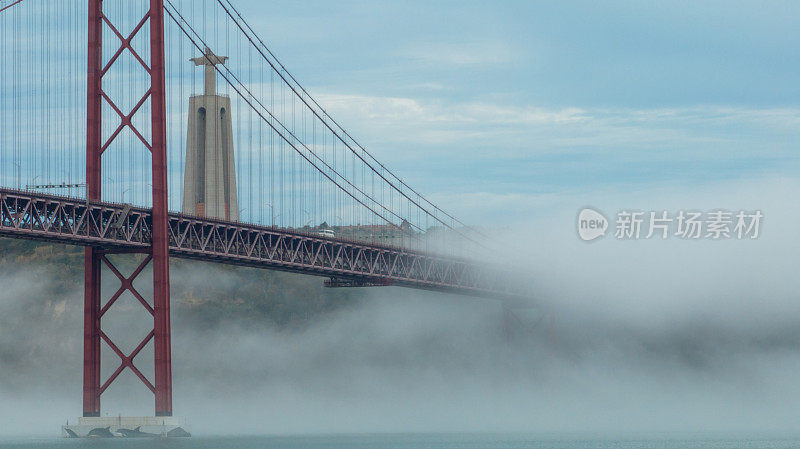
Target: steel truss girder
x,y
35,215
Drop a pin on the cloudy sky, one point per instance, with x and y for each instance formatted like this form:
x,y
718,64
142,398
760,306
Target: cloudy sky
x,y
484,106
526,100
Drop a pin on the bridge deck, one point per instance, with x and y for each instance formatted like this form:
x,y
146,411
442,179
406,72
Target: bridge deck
x,y
120,227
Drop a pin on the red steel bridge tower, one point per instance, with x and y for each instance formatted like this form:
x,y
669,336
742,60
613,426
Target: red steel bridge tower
x,y
158,253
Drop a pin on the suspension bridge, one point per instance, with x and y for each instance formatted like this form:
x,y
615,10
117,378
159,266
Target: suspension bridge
x,y
168,128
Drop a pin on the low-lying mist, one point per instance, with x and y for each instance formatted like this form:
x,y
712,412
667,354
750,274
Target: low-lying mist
x,y
621,336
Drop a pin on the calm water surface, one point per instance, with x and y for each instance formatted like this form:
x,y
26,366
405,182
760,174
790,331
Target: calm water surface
x,y
403,441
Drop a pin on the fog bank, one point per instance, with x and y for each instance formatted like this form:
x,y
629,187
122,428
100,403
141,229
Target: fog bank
x,y
622,336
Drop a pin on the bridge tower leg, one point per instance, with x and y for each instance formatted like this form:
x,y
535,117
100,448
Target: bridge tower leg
x,y
91,318
163,351
158,255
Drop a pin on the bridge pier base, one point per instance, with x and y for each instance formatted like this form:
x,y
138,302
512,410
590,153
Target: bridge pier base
x,y
126,427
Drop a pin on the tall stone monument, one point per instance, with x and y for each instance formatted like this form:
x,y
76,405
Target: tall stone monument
x,y
209,183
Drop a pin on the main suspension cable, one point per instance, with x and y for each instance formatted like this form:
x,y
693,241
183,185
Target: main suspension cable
x,y
8,6
399,190
344,131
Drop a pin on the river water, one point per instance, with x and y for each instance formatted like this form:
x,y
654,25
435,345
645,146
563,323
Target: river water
x,y
410,441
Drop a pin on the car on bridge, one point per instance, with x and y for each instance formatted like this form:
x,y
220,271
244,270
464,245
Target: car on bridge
x,y
327,233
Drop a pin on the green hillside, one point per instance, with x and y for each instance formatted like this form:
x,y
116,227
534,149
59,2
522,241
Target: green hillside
x,y
204,293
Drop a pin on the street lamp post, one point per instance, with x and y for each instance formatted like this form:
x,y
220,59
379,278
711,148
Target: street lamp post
x,y
271,213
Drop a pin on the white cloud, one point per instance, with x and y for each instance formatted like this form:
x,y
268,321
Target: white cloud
x,y
512,129
421,111
522,208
